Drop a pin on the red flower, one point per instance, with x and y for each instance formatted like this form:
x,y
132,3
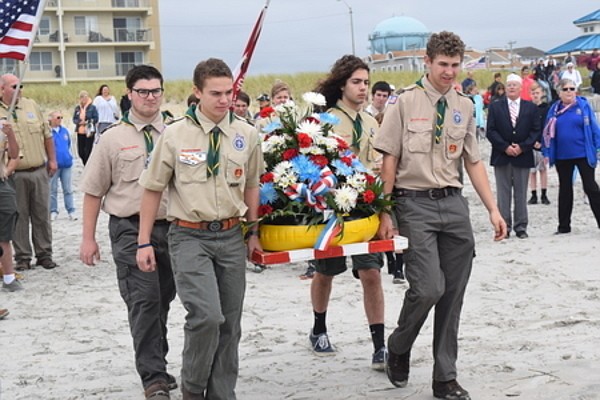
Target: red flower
x,y
342,145
266,112
264,209
304,140
289,154
312,120
321,161
267,177
370,179
347,161
368,196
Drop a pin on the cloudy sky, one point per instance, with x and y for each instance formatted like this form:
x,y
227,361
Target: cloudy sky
x,y
309,35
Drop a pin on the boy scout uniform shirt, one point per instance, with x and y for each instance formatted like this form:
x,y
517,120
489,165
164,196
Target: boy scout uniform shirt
x,y
367,154
116,163
30,130
180,161
408,134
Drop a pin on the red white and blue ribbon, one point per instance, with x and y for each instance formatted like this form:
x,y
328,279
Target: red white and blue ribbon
x,y
313,195
329,232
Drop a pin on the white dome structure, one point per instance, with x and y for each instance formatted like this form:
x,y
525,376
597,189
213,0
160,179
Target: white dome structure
x,y
398,34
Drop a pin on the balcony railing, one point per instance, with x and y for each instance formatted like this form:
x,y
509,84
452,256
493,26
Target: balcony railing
x,y
100,3
130,3
132,35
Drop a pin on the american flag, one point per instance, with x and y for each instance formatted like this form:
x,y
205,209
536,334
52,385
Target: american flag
x,y
17,27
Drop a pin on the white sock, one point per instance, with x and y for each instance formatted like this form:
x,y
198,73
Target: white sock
x,y
9,278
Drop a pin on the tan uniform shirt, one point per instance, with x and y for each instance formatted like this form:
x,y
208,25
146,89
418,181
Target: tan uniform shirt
x,y
408,133
367,154
31,130
180,162
116,163
3,155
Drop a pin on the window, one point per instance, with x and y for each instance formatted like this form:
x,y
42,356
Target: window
x,y
8,66
40,61
125,29
44,28
83,25
87,60
125,60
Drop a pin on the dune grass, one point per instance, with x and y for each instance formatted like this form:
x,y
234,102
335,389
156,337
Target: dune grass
x,y
64,98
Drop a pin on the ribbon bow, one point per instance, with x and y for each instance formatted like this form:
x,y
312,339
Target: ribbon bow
x,y
313,194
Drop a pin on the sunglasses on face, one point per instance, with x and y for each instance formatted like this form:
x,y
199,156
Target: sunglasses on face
x,y
568,89
17,86
59,117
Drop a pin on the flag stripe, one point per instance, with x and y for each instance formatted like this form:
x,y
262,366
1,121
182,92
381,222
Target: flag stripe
x,y
11,41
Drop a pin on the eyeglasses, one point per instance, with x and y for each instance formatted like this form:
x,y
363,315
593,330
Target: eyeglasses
x,y
144,93
59,117
17,86
568,89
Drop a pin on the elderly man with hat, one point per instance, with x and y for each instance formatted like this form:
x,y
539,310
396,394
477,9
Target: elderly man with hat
x,y
263,101
513,126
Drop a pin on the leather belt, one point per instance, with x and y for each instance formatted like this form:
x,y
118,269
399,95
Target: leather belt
x,y
30,169
136,218
433,194
212,226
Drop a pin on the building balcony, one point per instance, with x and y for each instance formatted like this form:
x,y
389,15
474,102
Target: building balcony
x,y
100,5
122,36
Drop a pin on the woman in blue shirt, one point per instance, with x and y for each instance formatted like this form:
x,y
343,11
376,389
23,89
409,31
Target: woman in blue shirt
x,y
572,139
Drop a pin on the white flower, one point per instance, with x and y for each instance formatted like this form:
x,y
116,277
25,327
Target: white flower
x,y
284,175
327,142
358,181
345,198
272,143
316,99
310,128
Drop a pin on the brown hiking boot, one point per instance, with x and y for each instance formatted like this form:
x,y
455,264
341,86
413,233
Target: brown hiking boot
x,y
157,391
397,368
191,396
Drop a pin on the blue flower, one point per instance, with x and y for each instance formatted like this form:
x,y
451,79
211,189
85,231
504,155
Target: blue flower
x,y
327,118
356,164
342,168
268,194
307,170
272,126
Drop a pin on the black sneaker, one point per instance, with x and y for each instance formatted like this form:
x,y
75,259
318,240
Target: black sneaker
x,y
545,200
171,382
397,368
532,200
449,390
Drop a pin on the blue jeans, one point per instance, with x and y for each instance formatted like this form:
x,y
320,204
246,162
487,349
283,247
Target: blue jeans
x,y
64,174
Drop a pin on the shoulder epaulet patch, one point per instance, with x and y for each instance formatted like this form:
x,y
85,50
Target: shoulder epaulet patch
x,y
463,94
406,89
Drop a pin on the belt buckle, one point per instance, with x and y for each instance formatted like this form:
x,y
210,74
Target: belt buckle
x,y
435,194
215,226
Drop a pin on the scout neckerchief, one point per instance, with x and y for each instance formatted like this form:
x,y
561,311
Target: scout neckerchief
x,y
440,114
356,127
147,130
212,158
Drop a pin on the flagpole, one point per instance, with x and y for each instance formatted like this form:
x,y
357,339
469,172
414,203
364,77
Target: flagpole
x,y
38,18
240,70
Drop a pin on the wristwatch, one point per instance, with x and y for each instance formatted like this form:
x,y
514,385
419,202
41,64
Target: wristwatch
x,y
251,232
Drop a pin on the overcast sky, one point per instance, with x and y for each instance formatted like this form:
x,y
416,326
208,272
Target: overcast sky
x,y
309,35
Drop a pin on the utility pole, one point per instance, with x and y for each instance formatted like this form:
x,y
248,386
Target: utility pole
x,y
351,25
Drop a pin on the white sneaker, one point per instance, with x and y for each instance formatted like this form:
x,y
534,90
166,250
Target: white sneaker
x,y
53,216
72,217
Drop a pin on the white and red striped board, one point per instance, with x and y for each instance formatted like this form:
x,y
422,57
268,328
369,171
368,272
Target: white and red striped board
x,y
397,244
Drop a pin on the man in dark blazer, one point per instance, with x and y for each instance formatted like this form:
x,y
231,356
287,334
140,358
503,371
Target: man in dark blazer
x,y
513,126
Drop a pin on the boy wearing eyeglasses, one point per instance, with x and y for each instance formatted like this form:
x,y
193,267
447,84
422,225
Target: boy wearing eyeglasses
x,y
64,161
110,182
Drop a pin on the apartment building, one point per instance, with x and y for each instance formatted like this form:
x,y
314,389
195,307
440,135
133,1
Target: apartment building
x,y
83,40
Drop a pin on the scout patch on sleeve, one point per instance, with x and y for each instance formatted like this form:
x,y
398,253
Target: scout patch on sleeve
x,y
239,142
457,116
452,148
192,156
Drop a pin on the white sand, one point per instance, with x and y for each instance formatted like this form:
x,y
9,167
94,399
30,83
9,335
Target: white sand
x,y
530,325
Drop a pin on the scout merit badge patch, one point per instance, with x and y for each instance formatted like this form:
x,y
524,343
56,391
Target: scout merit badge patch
x,y
239,142
191,156
457,117
238,172
452,148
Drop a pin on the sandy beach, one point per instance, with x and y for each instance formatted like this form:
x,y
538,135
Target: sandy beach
x,y
530,324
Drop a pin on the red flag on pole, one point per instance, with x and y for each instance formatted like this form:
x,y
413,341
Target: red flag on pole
x,y
240,71
19,20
